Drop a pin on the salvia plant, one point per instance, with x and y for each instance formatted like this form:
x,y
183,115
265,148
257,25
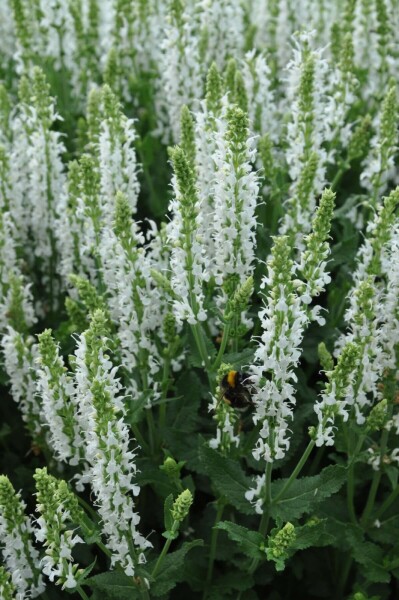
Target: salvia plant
x,y
199,299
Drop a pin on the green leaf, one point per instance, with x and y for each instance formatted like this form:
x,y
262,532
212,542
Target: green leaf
x,y
370,556
168,521
305,493
249,541
227,477
232,581
171,571
313,533
114,585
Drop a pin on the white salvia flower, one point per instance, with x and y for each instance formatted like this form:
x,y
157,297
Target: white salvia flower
x,y
389,308
226,419
333,397
111,463
180,78
57,507
188,264
236,190
253,495
43,179
56,390
377,461
372,257
20,355
309,127
21,558
223,27
112,141
284,318
371,314
16,302
136,306
378,166
209,119
81,222
261,98
373,38
312,266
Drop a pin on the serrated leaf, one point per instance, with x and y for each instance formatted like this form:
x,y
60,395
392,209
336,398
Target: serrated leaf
x,y
240,360
248,541
236,580
305,493
171,571
313,533
114,585
369,555
167,507
227,477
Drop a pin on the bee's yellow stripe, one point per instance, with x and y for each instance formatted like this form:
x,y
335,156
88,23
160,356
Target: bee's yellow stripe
x,y
231,378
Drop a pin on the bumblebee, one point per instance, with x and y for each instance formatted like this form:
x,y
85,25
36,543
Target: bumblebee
x,y
235,388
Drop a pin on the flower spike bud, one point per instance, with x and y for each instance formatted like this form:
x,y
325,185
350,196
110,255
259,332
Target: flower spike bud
x,y
187,134
279,543
325,357
378,416
360,139
214,90
181,506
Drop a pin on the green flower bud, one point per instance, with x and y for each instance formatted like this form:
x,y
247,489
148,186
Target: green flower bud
x,y
213,89
181,506
325,357
123,216
279,545
240,300
378,416
162,281
87,293
169,328
187,135
360,139
230,75
240,95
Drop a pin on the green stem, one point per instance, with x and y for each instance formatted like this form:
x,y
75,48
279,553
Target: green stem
x,y
351,479
296,471
164,387
212,552
222,349
199,340
82,594
165,549
344,577
338,177
151,429
375,481
264,523
387,503
314,467
140,439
